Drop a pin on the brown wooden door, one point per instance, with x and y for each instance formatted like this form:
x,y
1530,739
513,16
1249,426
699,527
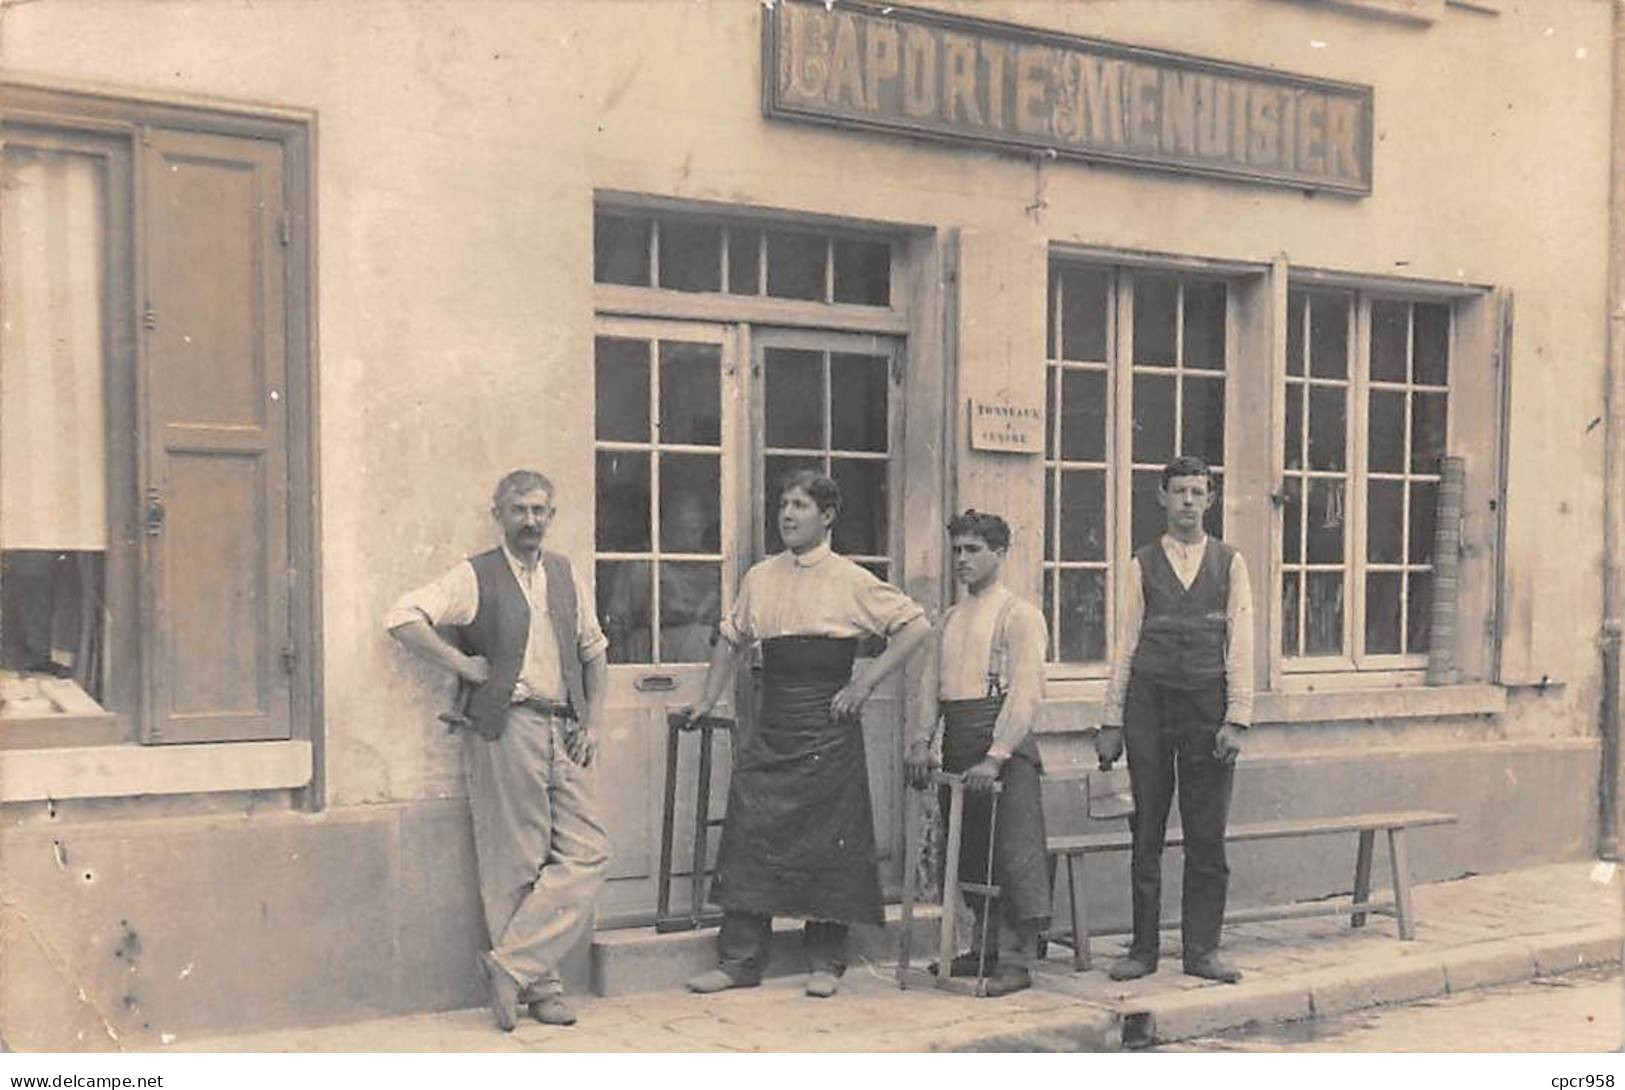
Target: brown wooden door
x,y
215,436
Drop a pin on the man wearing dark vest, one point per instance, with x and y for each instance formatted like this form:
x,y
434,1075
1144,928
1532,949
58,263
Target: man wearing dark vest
x,y
529,654
1181,692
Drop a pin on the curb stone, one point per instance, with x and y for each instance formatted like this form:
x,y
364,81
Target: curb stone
x,y
1485,966
1593,946
1374,988
1209,1010
1200,1012
1095,1029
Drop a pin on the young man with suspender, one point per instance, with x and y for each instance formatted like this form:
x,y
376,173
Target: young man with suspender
x,y
985,682
1181,696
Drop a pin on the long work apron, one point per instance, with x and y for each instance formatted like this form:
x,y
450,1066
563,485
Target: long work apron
x,y
799,837
1020,853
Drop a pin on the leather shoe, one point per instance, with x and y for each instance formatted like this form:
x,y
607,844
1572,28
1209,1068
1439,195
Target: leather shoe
x,y
715,980
553,1010
1212,967
1008,980
503,992
966,964
822,984
1132,967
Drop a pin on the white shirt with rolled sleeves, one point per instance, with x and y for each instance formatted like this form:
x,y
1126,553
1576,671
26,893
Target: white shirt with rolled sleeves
x,y
818,593
454,598
1186,561
959,668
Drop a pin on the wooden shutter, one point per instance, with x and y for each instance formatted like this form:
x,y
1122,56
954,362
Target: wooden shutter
x,y
217,658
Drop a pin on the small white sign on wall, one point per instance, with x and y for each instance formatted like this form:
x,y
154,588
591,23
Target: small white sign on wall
x,y
1001,425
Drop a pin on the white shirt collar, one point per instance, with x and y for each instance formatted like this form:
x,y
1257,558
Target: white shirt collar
x,y
1170,542
518,565
815,555
987,593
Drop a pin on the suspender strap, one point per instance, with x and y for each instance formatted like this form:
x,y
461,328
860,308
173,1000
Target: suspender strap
x,y
998,652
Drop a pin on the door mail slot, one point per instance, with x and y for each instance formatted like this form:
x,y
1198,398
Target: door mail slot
x,y
655,683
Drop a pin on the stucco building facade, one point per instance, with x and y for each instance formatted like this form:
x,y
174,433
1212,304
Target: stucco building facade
x,y
337,267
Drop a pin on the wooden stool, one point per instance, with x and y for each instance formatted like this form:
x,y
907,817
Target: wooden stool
x,y
952,887
665,919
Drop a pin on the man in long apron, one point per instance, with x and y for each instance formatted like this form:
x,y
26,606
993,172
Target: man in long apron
x,y
1182,691
798,839
985,682
530,656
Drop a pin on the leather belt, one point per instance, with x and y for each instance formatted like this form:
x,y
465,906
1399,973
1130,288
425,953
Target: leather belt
x,y
553,708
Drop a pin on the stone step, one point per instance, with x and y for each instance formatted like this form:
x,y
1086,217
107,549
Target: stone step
x,y
639,959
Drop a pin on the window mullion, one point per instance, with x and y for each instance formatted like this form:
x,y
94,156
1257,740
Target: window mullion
x,y
1358,488
654,501
1121,385
1179,367
829,416
1405,486
654,251
724,252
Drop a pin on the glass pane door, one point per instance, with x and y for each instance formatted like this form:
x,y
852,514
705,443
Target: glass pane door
x,y
832,402
665,544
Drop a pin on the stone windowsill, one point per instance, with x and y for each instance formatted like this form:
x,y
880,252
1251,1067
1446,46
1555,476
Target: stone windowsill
x,y
85,772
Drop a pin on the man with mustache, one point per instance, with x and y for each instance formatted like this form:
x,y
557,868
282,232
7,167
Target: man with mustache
x,y
529,654
985,683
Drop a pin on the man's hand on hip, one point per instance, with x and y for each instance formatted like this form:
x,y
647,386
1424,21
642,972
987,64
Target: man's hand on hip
x,y
474,669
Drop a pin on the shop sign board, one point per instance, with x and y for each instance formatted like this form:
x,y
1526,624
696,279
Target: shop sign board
x,y
1002,425
896,69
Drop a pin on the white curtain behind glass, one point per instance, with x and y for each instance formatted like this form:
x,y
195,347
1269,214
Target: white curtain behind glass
x,y
53,448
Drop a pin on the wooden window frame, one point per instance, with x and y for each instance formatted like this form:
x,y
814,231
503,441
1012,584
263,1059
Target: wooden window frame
x,y
70,108
759,309
1120,369
1404,666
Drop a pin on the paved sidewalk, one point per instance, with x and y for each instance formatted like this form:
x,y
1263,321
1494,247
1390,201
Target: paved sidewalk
x,y
1473,932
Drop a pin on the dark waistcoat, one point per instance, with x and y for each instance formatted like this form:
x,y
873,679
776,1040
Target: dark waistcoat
x,y
1184,632
500,631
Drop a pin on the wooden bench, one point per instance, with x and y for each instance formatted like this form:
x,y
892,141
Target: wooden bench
x,y
1076,849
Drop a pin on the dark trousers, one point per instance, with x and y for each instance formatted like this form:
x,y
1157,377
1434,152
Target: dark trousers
x,y
1169,734
745,942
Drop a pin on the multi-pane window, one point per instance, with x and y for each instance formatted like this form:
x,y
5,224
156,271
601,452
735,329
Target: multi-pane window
x,y
1148,348
1314,538
659,480
1358,502
830,411
1078,503
1408,423
681,253
153,487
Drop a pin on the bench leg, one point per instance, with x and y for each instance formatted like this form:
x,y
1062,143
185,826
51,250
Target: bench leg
x,y
1399,862
1077,898
1362,875
947,940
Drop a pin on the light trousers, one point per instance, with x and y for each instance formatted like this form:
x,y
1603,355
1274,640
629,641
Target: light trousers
x,y
542,851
